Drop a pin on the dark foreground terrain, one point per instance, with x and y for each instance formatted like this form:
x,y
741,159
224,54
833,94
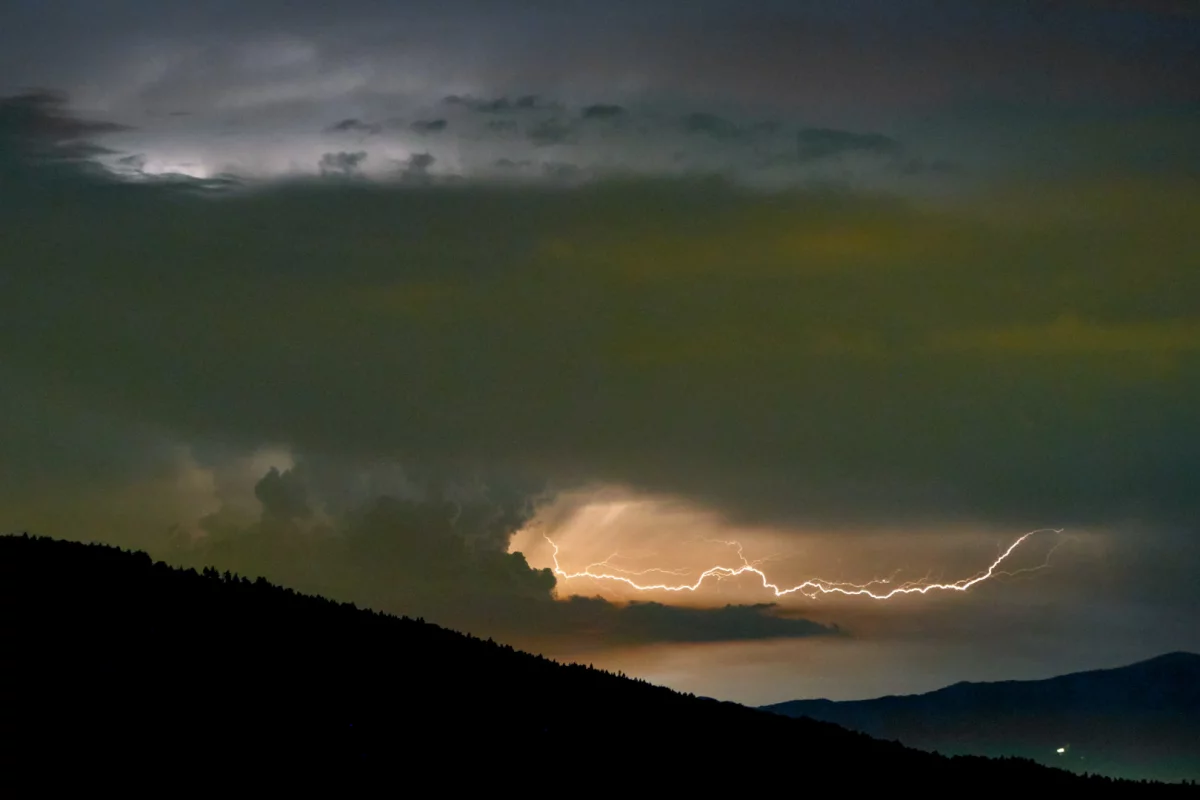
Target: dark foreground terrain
x,y
1138,721
109,658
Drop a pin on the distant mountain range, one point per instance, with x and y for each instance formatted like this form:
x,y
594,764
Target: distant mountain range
x,y
1139,721
114,665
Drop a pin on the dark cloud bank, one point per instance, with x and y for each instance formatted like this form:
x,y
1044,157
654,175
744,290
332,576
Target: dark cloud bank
x,y
835,58
808,356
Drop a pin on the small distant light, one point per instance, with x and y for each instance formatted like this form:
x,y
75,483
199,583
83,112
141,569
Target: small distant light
x,y
1061,750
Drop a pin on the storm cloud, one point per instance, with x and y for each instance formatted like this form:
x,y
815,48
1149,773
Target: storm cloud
x,y
440,551
830,355
837,267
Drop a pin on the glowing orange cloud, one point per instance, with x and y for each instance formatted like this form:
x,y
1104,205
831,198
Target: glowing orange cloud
x,y
604,570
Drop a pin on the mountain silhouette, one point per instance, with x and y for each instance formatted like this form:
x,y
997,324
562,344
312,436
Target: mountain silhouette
x,y
111,658
1138,721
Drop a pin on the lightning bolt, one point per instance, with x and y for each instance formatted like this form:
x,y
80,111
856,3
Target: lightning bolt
x,y
814,587
607,564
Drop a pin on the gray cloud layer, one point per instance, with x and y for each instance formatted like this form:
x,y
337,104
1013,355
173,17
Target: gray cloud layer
x,y
1029,356
789,353
860,56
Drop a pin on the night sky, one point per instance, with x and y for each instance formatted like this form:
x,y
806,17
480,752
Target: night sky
x,y
373,297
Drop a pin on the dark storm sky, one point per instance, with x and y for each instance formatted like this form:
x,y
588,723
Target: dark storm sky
x,y
914,272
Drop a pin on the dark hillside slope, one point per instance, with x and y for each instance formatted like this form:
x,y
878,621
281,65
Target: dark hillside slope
x,y
109,655
1137,721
